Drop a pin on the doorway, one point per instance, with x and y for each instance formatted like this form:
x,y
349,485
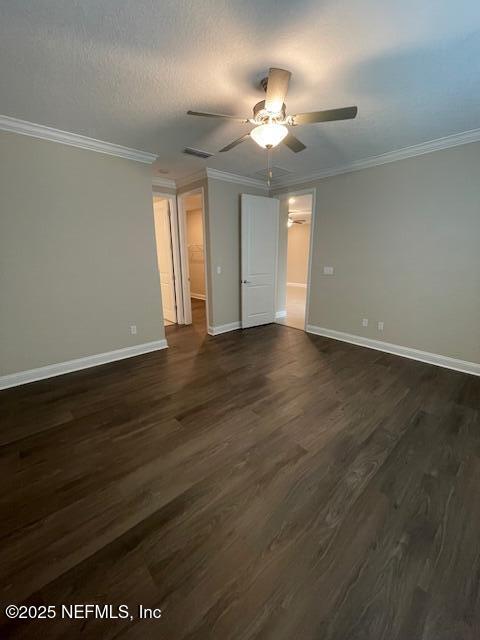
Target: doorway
x,y
297,221
166,236
191,209
259,255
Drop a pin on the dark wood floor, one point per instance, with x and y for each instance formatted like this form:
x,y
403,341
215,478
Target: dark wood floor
x,y
259,484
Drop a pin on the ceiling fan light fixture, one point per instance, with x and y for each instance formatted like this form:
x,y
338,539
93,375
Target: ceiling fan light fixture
x,y
269,135
270,117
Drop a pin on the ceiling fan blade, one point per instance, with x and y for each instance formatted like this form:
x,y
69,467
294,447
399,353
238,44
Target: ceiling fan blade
x,y
293,143
277,87
234,143
217,115
345,113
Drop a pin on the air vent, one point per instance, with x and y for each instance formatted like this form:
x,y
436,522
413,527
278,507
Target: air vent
x,y
198,153
277,172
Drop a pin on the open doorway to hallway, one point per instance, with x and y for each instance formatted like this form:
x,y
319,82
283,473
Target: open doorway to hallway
x,y
191,226
195,248
180,239
299,208
192,211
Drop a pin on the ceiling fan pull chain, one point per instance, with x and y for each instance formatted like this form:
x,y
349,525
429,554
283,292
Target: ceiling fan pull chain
x,y
269,168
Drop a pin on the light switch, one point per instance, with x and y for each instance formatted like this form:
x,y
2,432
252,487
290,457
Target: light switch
x,y
328,271
365,322
219,269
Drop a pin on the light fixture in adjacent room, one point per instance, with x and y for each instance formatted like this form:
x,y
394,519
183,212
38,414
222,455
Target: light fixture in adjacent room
x,y
269,135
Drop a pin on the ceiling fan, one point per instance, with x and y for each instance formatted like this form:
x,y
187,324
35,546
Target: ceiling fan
x,y
270,117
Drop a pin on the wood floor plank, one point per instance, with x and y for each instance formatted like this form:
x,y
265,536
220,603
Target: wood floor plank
x,y
262,484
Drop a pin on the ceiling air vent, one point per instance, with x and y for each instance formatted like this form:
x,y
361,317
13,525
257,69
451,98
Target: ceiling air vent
x,y
198,153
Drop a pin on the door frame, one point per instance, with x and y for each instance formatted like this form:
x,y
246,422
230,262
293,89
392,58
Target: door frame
x,y
182,227
177,273
292,194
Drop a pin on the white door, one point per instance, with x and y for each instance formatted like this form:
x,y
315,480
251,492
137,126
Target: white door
x,y
259,237
165,260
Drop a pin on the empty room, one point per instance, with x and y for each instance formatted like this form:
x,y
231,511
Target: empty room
x,y
240,320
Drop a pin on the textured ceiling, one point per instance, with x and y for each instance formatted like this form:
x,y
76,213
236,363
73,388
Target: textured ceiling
x,y
126,71
300,203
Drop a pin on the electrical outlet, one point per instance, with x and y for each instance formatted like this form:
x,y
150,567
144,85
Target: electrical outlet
x,y
133,329
365,322
380,325
328,271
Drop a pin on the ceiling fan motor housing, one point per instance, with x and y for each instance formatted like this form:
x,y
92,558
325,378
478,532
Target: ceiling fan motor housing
x,y
262,116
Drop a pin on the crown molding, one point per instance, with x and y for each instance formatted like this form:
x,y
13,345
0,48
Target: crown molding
x,y
297,212
233,177
191,178
225,176
73,139
167,183
439,144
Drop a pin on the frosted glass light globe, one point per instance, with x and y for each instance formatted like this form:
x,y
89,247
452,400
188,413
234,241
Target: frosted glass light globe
x,y
269,135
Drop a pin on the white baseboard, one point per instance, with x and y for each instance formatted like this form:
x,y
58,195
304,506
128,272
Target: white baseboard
x,y
406,352
60,368
300,285
197,296
281,314
224,328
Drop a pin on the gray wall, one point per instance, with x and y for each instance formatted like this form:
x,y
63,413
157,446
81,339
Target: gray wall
x,y
77,254
404,239
224,248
